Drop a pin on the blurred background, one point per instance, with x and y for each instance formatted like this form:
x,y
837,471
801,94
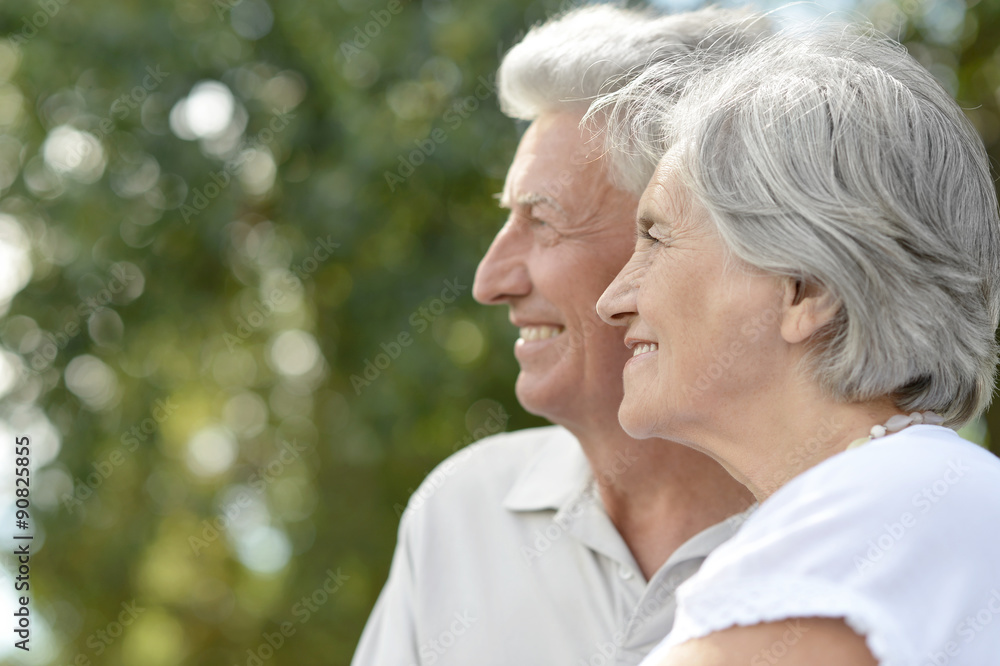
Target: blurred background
x,y
237,242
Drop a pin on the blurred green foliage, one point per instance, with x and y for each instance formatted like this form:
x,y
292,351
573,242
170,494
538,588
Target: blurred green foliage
x,y
292,198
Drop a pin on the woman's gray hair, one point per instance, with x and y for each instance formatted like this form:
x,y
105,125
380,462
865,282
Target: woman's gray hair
x,y
836,159
570,60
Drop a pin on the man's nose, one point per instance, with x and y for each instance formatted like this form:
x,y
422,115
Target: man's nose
x,y
503,272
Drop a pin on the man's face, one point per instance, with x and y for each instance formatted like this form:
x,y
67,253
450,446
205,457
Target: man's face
x,y
568,234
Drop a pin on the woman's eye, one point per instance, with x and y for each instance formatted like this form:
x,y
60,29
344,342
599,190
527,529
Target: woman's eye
x,y
653,240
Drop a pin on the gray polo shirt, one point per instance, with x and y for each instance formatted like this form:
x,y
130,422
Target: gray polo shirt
x,y
507,556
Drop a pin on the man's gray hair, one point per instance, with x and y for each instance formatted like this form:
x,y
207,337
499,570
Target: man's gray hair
x,y
837,160
570,60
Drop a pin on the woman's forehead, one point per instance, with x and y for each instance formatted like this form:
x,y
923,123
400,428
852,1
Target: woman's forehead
x,y
667,200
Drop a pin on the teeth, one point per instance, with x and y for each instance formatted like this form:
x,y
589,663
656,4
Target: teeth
x,y
530,333
642,349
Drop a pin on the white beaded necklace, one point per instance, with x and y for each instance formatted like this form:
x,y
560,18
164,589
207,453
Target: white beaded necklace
x,y
897,423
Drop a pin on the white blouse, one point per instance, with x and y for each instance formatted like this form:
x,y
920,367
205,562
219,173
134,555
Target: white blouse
x,y
900,537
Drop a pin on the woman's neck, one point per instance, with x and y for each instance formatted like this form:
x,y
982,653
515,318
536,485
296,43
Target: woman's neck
x,y
777,437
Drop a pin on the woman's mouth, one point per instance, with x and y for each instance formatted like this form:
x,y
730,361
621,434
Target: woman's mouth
x,y
644,348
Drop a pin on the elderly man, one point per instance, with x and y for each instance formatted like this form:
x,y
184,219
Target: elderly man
x,y
561,545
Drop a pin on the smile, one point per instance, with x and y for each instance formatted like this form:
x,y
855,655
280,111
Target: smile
x,y
644,349
533,333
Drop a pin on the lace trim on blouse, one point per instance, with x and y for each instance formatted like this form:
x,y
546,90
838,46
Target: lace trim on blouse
x,y
711,608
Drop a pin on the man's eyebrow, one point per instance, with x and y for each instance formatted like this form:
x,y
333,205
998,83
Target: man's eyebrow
x,y
533,198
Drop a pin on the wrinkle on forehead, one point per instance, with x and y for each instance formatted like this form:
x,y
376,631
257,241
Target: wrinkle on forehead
x,y
667,201
559,165
556,145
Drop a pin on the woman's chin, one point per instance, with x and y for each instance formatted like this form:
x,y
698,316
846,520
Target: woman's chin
x,y
634,422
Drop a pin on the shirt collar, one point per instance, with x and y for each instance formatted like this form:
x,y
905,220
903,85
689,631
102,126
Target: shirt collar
x,y
710,538
557,473
560,473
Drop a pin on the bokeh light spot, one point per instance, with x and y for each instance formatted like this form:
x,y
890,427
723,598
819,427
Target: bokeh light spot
x,y
211,451
15,261
91,380
75,153
264,549
205,113
294,352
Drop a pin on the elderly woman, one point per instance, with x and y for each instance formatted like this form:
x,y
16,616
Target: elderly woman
x,y
812,301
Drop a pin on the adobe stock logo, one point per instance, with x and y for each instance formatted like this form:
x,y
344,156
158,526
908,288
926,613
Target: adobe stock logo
x,y
303,610
420,320
362,39
458,112
105,467
42,357
128,102
38,20
202,196
293,279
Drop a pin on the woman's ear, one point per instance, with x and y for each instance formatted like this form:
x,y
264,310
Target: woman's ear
x,y
808,307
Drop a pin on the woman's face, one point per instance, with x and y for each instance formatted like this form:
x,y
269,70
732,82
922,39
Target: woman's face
x,y
704,330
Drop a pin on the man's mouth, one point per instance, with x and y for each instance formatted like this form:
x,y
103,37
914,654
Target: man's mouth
x,y
644,348
533,333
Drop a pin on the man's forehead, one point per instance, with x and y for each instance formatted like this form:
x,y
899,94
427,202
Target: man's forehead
x,y
537,191
554,155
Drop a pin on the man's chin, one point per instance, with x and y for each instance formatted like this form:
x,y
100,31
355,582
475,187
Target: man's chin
x,y
545,396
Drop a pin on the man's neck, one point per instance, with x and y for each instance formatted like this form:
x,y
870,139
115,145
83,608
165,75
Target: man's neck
x,y
659,493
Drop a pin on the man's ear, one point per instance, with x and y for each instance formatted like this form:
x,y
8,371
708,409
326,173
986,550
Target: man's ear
x,y
808,307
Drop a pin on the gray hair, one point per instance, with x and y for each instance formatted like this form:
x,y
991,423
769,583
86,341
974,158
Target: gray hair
x,y
836,159
571,59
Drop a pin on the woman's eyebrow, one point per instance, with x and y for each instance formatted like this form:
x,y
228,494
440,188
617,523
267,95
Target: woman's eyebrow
x,y
644,221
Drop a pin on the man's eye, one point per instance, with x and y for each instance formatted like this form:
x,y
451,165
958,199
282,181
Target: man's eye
x,y
545,229
527,219
644,233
